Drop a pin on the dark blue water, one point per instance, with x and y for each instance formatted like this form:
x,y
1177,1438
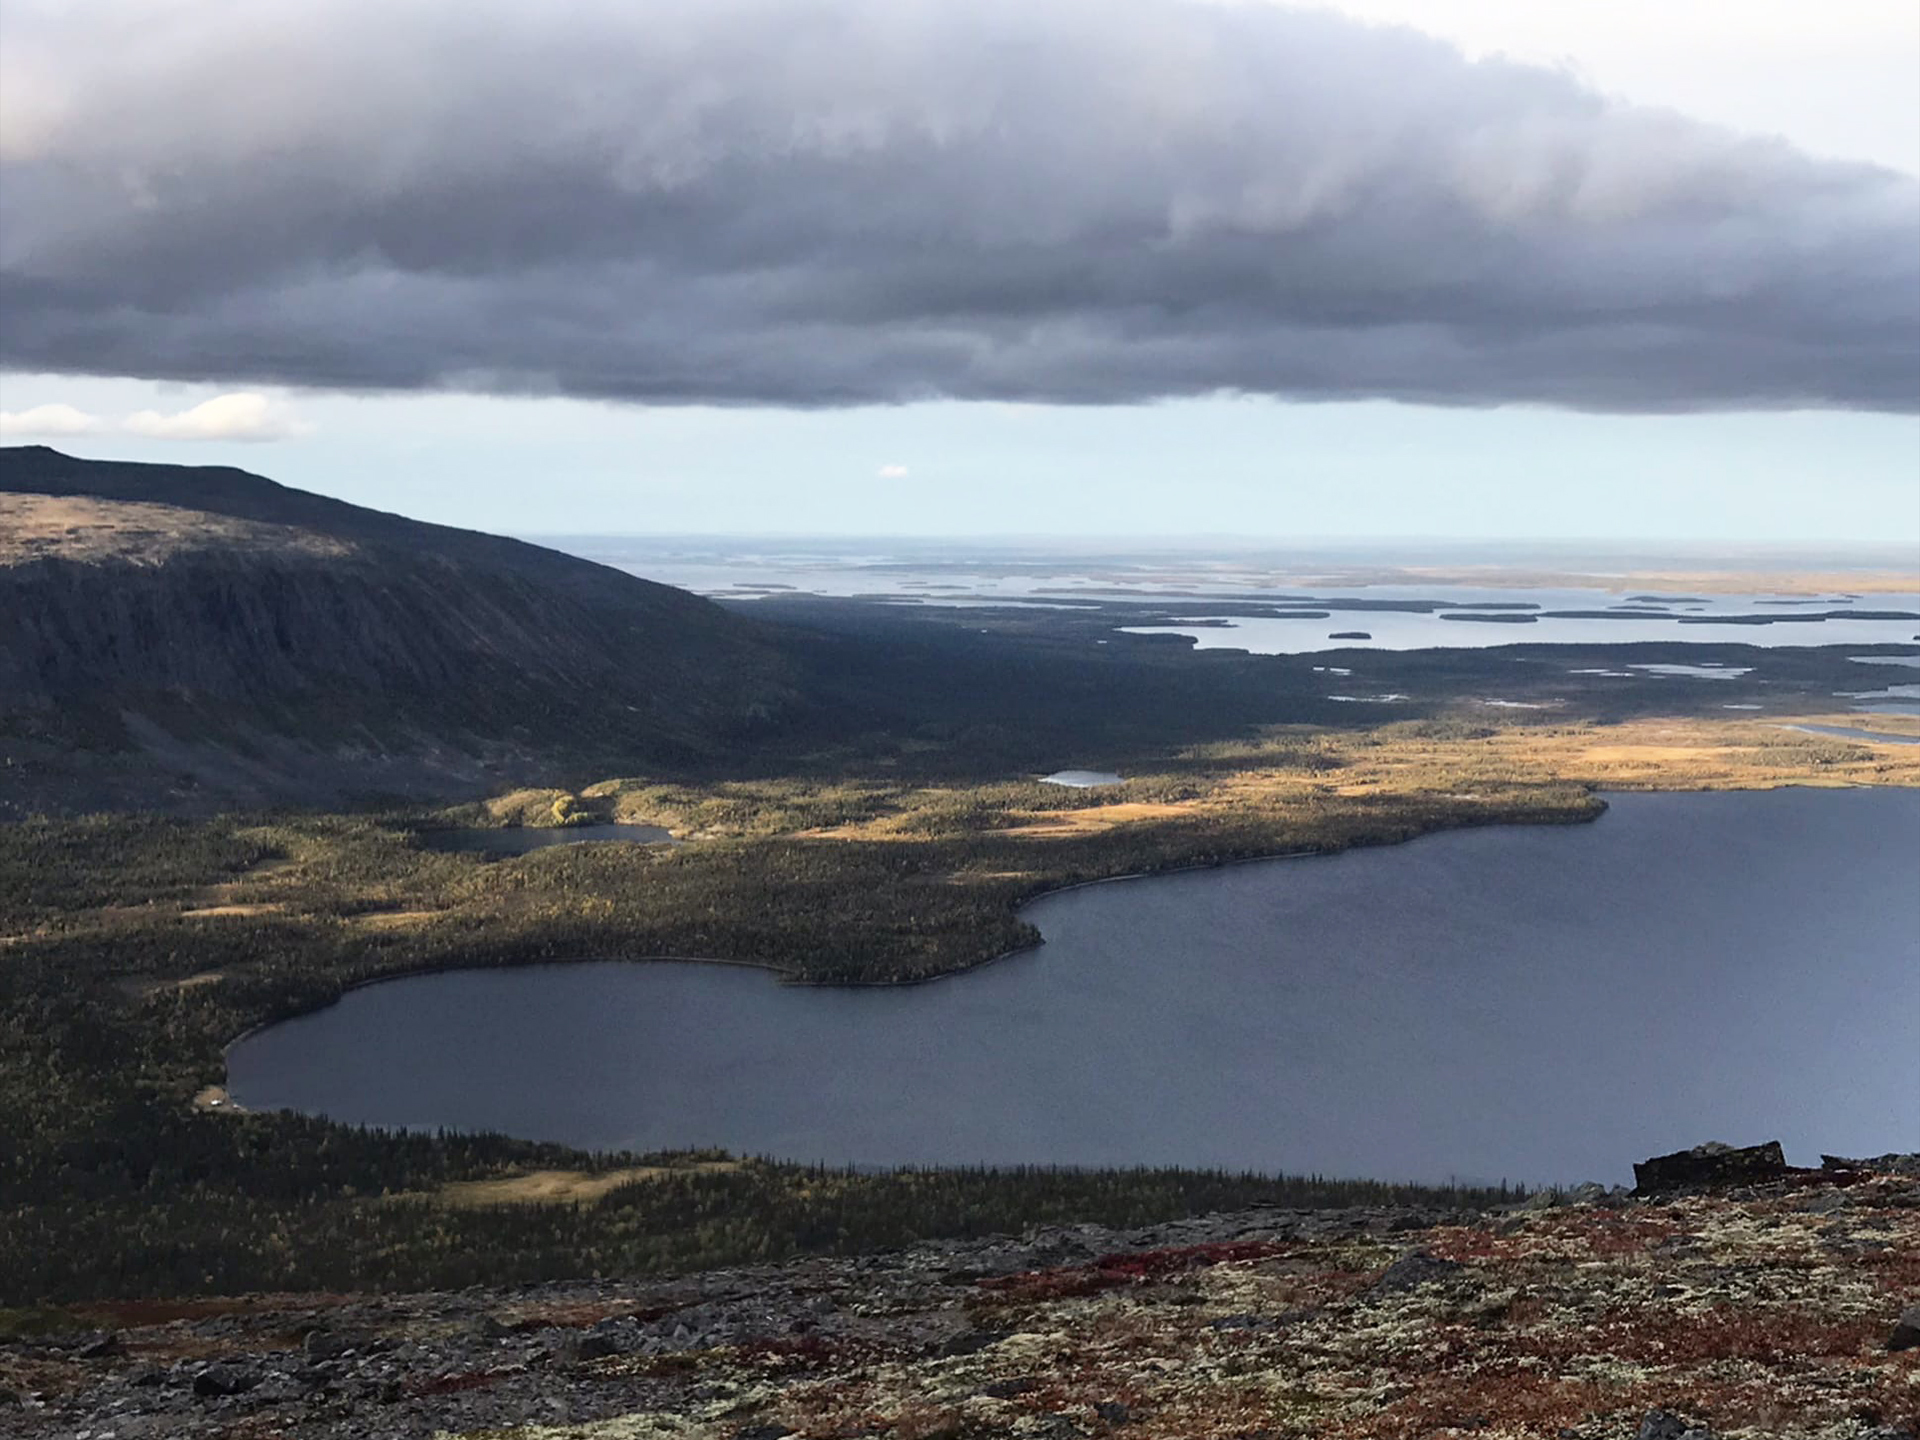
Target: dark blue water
x,y
1540,1003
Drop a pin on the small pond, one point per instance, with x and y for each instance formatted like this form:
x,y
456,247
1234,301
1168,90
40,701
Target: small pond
x,y
1081,779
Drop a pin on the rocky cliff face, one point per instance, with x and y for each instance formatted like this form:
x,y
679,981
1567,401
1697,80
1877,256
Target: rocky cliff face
x,y
182,613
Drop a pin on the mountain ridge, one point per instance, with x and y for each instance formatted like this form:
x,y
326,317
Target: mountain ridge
x,y
252,636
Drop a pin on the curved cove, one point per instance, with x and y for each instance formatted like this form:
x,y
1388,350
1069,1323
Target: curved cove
x,y
1537,1003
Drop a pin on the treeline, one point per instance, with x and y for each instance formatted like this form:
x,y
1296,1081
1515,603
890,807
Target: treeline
x,y
227,1228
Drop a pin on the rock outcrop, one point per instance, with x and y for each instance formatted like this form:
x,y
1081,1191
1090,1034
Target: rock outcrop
x,y
1709,1166
1906,1330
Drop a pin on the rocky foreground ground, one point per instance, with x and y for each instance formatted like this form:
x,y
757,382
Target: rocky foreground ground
x,y
1784,1308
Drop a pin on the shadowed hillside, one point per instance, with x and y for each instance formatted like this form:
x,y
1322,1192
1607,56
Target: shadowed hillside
x,y
259,641
176,638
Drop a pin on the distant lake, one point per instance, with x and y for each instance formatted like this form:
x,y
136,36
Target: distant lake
x,y
1849,732
519,840
1305,615
1538,1003
1549,617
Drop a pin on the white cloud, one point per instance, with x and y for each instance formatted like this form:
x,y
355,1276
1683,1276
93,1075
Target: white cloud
x,y
819,203
1835,78
48,420
893,472
243,415
240,416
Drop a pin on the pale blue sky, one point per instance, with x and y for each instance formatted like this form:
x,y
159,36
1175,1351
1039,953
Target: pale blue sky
x,y
1253,467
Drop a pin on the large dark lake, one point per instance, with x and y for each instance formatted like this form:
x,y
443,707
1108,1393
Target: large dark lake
x,y
1537,1003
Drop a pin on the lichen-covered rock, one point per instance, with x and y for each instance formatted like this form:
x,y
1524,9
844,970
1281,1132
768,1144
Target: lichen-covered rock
x,y
1748,1314
1665,1425
1906,1330
217,1380
1890,1164
1709,1166
1414,1269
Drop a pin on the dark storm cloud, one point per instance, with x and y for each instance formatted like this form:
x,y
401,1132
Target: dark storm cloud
x,y
825,202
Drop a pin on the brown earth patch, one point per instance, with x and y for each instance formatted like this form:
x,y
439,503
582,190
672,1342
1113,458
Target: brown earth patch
x,y
394,919
1644,755
222,898
254,907
1095,818
214,1099
561,1187
78,527
143,987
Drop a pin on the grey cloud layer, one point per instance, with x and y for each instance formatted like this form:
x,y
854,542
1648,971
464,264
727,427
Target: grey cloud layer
x,y
823,202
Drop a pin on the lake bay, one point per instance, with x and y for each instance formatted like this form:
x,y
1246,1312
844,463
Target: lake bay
x,y
1534,1003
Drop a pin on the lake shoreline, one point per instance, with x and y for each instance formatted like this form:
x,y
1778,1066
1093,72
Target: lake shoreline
x,y
788,977
791,977
1359,1019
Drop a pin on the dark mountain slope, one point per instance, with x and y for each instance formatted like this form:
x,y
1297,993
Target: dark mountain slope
x,y
268,643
